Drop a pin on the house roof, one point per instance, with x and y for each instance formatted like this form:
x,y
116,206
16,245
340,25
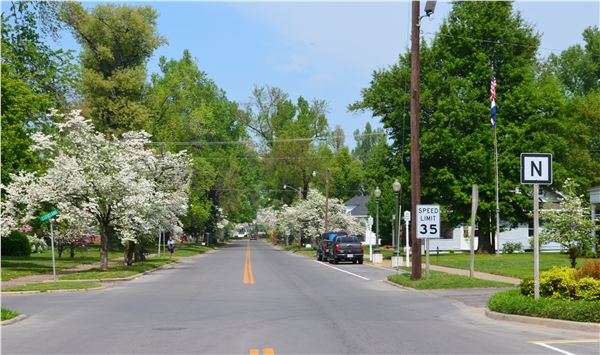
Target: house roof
x,y
357,205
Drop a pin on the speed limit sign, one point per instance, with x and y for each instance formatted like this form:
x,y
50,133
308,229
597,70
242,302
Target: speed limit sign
x,y
428,221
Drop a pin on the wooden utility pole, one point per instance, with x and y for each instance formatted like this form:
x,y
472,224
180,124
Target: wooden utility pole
x,y
415,155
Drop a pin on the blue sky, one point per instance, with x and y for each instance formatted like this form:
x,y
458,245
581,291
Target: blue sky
x,y
322,50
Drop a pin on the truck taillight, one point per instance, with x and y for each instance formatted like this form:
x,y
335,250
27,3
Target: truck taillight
x,y
338,248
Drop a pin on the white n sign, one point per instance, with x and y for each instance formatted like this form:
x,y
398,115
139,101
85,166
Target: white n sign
x,y
536,168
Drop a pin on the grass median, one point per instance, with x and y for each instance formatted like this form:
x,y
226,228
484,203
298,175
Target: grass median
x,y
55,285
8,314
442,280
513,302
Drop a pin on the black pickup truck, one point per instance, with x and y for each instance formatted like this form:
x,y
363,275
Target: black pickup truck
x,y
325,242
346,248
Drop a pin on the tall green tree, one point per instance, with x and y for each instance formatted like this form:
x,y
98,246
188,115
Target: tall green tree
x,y
475,42
35,78
188,111
366,141
292,136
117,41
578,67
346,175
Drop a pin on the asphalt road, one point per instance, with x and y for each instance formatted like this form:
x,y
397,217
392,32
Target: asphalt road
x,y
250,298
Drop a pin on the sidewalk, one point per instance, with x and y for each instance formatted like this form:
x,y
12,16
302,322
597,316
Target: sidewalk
x,y
480,275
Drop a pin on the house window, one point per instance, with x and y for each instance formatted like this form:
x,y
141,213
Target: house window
x,y
530,228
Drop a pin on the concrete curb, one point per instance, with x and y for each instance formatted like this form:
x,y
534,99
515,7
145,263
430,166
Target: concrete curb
x,y
16,319
548,322
401,286
55,291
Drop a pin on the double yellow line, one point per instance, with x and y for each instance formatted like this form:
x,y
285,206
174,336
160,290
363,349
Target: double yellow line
x,y
248,275
266,351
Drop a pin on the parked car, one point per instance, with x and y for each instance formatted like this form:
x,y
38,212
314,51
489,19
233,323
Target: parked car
x,y
324,244
253,237
346,248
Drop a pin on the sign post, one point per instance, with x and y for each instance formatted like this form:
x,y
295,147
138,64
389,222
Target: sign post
x,y
50,217
536,169
428,226
407,248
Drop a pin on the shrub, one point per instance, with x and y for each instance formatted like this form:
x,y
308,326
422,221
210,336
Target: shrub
x,y
590,269
588,289
16,244
562,283
511,247
514,303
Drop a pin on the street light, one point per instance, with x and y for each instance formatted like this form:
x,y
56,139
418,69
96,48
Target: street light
x,y
377,194
397,189
415,107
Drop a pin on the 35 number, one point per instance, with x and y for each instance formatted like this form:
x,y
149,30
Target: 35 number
x,y
433,229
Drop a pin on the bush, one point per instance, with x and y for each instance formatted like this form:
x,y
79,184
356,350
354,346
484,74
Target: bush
x,y
511,247
562,283
514,303
590,269
16,244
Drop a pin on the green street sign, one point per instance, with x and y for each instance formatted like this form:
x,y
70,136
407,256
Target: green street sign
x,y
47,216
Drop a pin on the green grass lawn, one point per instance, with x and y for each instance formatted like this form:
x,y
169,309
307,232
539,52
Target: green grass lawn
x,y
120,271
41,263
438,280
516,265
58,285
189,250
8,314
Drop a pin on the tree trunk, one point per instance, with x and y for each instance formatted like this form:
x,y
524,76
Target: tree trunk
x,y
485,241
72,251
139,253
129,249
573,256
104,236
60,249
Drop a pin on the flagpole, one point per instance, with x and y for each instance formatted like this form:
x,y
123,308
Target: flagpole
x,y
497,199
494,122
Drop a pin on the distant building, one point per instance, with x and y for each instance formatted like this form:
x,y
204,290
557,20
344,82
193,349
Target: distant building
x,y
357,207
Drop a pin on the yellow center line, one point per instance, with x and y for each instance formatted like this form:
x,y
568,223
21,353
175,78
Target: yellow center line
x,y
248,275
265,351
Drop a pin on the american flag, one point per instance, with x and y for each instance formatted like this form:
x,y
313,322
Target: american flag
x,y
493,108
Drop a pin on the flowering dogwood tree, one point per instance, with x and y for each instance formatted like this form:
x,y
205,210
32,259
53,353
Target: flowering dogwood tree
x,y
308,217
117,185
570,225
